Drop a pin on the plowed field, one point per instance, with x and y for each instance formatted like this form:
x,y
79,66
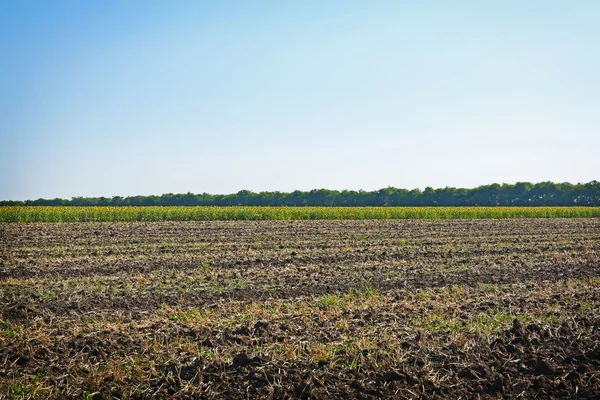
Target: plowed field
x,y
368,309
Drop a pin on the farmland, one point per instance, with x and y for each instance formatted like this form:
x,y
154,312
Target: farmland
x,y
293,307
202,213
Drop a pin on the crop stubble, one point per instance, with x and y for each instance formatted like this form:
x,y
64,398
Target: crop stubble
x,y
319,309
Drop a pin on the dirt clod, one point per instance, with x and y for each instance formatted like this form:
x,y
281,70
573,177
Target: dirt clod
x,y
243,360
543,367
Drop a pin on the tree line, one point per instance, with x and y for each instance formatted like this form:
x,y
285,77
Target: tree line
x,y
518,194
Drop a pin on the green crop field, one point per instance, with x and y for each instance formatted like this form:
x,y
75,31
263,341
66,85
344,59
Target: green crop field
x,y
201,213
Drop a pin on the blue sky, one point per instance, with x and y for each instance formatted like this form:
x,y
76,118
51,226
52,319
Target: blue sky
x,y
149,97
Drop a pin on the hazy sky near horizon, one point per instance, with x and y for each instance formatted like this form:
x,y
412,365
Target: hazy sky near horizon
x,y
103,98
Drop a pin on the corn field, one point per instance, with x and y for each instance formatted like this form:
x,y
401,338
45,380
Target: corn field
x,y
200,213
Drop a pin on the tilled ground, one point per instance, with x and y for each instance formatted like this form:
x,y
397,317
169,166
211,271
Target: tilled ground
x,y
301,309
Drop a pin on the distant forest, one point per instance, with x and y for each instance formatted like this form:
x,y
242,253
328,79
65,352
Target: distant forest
x,y
519,194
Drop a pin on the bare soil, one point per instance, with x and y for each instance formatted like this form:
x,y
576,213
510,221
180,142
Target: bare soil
x,y
417,309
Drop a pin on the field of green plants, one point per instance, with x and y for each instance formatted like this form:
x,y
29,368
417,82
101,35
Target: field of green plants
x,y
200,213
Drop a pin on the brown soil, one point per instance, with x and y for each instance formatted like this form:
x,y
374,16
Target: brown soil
x,y
301,309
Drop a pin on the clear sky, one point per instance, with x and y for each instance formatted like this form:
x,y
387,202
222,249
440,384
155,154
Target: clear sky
x,y
103,98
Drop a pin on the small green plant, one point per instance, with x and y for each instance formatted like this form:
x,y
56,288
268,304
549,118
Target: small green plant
x,y
185,315
18,389
204,352
330,301
365,291
402,243
235,283
206,268
488,287
355,363
423,295
8,330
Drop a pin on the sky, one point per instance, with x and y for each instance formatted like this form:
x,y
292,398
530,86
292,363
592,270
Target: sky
x,y
140,97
